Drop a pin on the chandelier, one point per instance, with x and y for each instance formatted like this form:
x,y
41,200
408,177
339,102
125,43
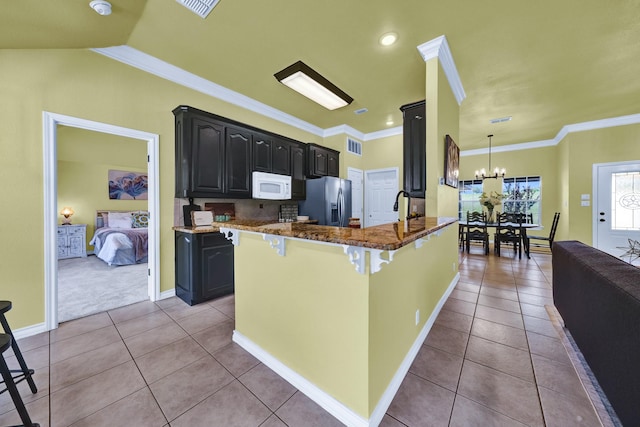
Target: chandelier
x,y
497,172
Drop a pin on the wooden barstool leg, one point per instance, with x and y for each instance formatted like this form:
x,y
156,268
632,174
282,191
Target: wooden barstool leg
x,y
26,372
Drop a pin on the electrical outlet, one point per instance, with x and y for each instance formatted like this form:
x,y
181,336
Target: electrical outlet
x,y
454,267
417,316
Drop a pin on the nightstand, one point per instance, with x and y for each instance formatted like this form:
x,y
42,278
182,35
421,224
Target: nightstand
x,y
72,241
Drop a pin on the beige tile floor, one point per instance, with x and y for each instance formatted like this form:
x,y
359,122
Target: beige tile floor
x,y
492,358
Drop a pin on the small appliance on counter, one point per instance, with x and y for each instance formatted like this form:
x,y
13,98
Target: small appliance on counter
x,y
328,200
186,212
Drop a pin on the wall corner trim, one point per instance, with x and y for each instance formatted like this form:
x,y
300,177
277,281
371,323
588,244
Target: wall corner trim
x,y
439,48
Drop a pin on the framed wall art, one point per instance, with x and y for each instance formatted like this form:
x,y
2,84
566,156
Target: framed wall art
x,y
451,162
125,185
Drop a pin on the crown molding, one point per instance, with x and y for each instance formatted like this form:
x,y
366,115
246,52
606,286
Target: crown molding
x,y
150,64
435,48
439,48
385,133
631,119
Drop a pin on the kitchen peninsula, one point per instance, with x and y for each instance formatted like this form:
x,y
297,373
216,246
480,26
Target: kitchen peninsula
x,y
340,312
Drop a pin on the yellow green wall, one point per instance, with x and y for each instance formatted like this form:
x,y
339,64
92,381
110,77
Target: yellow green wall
x,y
83,84
566,171
583,150
345,332
442,119
84,160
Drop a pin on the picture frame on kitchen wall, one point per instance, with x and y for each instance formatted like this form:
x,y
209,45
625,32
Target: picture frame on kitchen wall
x,y
451,162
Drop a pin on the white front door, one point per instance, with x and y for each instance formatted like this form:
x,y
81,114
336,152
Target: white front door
x,y
381,187
616,206
357,191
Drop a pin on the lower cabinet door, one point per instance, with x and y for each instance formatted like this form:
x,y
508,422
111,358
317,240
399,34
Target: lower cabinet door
x,y
204,267
216,269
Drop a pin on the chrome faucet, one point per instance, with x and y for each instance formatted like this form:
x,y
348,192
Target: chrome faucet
x,y
405,194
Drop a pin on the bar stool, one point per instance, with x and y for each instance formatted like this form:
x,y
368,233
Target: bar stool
x,y
25,372
7,378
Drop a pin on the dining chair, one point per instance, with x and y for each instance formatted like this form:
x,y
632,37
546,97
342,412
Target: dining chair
x,y
476,230
509,231
546,241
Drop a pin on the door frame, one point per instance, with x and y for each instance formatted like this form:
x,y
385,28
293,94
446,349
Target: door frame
x,y
594,207
365,210
361,172
50,183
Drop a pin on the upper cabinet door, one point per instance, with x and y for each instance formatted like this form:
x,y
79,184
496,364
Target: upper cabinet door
x,y
414,149
207,155
238,162
262,153
281,157
298,161
333,163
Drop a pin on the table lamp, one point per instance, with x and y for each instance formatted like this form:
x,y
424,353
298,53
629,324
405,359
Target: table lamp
x,y
66,212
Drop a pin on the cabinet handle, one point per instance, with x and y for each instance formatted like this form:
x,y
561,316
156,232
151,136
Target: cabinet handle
x,y
419,117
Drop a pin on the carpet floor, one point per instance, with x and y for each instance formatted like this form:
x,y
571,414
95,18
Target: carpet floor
x,y
89,285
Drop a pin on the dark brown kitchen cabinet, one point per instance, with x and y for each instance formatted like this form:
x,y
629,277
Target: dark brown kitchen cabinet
x,y
262,153
199,155
213,157
414,149
281,154
204,266
237,162
298,160
322,161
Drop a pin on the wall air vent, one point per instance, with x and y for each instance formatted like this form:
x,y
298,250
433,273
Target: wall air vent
x,y
500,119
199,7
354,147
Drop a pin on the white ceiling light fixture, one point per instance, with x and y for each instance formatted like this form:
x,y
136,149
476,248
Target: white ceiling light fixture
x,y
497,172
101,7
308,82
199,7
388,39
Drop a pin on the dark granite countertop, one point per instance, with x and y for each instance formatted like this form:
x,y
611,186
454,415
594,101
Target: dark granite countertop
x,y
389,237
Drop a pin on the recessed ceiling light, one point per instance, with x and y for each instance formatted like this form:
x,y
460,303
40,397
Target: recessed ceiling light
x,y
500,120
389,122
388,39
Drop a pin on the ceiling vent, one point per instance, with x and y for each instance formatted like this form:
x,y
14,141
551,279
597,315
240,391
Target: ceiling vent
x,y
361,111
199,7
354,147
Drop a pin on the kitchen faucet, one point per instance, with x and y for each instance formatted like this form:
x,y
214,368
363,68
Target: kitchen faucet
x,y
405,194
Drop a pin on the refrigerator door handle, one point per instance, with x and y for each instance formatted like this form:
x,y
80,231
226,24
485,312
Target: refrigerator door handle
x,y
339,201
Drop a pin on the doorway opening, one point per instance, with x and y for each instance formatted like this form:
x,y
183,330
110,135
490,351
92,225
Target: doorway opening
x,y
51,121
380,188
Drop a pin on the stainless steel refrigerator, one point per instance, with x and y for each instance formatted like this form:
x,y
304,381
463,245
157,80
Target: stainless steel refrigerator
x,y
328,200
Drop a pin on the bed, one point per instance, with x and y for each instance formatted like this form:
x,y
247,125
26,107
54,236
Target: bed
x,y
121,237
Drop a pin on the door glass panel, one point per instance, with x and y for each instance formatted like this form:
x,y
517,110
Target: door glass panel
x,y
625,201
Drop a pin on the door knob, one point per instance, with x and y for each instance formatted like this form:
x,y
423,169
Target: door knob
x,y
601,213
602,220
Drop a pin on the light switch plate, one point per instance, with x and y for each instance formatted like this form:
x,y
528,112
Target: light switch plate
x,y
585,197
585,203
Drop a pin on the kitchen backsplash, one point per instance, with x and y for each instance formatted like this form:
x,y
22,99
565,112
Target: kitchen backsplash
x,y
244,208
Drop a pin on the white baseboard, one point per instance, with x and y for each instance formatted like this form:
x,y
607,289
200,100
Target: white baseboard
x,y
168,294
29,331
403,369
328,403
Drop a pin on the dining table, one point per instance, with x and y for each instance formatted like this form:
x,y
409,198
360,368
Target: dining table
x,y
524,226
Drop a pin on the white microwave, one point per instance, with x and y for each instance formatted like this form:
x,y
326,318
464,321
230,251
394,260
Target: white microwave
x,y
271,186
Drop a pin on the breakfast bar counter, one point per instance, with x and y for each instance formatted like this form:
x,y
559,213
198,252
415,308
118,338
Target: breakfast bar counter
x,y
386,237
341,313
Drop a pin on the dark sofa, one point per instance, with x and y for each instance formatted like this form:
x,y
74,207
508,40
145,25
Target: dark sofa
x,y
598,297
